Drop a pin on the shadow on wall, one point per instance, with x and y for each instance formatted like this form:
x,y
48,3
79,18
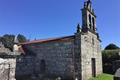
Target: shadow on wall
x,y
27,67
31,68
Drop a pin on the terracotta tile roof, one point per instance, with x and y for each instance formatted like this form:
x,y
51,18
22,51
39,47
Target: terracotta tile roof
x,y
47,40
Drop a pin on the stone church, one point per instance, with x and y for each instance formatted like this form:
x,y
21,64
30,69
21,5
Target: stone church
x,y
77,56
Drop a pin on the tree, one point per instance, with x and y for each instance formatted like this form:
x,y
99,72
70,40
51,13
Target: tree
x,y
8,41
21,38
111,47
109,55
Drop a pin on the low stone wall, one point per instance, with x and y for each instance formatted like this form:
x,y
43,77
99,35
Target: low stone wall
x,y
4,71
117,74
116,65
7,69
18,67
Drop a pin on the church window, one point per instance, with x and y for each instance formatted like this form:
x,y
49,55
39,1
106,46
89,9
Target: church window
x,y
93,22
85,38
90,20
42,66
93,42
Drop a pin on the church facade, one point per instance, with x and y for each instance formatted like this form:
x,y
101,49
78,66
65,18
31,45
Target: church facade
x,y
76,56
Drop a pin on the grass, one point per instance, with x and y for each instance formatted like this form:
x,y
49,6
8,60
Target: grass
x,y
103,77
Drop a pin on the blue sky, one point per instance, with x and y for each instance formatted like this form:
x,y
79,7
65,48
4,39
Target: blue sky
x,y
53,18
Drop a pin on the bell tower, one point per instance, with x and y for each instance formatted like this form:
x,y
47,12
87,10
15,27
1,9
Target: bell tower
x,y
88,17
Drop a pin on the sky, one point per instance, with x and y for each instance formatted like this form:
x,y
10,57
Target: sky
x,y
39,19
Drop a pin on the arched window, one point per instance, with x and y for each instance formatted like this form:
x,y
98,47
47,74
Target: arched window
x,y
93,23
93,42
90,21
42,66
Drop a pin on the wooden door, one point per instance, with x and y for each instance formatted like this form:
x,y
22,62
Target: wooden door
x,y
93,67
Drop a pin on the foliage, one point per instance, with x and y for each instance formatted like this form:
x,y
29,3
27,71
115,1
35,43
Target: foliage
x,y
111,47
21,38
8,40
103,77
113,54
108,57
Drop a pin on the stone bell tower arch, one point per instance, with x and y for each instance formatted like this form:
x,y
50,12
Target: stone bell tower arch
x,y
88,17
91,57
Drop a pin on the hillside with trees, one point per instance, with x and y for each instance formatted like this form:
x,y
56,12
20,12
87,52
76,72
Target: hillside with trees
x,y
110,54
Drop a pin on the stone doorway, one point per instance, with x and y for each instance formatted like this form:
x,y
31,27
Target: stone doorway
x,y
93,60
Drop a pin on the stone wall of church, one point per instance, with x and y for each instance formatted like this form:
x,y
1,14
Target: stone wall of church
x,y
25,65
57,55
90,48
19,68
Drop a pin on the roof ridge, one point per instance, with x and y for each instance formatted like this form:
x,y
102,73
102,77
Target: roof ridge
x,y
46,40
